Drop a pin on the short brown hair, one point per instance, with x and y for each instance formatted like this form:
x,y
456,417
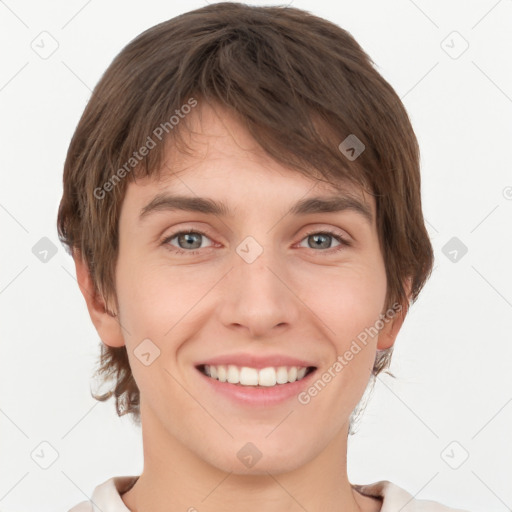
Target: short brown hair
x,y
300,84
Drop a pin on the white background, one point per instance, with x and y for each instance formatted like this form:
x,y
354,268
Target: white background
x,y
452,357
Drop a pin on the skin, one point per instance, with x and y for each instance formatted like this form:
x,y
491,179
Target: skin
x,y
294,299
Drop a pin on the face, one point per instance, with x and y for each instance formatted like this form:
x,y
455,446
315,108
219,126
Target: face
x,y
263,285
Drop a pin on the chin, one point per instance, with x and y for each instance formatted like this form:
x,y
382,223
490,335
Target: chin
x,y
259,458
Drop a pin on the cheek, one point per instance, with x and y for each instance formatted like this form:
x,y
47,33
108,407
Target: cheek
x,y
346,300
152,297
349,307
152,303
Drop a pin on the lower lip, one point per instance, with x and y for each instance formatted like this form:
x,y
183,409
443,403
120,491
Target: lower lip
x,y
259,395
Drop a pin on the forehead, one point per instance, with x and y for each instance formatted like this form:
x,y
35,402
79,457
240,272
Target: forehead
x,y
220,156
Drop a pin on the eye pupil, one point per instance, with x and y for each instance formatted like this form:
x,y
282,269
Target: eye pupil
x,y
318,244
189,238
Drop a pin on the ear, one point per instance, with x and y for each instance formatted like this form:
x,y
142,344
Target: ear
x,y
389,332
106,323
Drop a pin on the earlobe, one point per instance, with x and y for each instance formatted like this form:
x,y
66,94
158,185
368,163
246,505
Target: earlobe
x,y
389,332
105,322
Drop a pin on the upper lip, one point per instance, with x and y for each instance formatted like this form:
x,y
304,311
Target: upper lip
x,y
256,361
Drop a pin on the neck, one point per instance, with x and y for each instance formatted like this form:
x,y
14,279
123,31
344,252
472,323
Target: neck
x,y
176,479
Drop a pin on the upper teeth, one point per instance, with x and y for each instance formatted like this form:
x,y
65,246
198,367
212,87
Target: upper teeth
x,y
252,377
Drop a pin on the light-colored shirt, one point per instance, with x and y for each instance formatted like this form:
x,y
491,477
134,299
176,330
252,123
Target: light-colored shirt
x,y
106,497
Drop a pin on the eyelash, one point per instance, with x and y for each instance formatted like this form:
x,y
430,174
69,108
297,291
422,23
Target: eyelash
x,y
177,250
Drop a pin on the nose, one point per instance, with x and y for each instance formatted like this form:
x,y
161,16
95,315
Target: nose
x,y
257,295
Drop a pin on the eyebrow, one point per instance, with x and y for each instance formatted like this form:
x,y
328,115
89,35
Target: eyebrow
x,y
338,203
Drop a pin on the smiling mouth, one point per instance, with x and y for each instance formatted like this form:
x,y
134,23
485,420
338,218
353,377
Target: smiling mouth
x,y
252,377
